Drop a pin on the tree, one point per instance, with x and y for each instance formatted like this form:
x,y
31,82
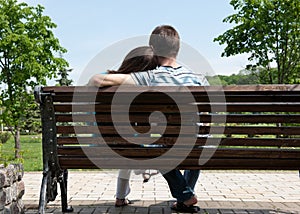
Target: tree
x,y
28,50
64,77
32,123
270,31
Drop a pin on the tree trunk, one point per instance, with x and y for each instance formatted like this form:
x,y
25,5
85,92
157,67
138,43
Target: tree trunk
x,y
17,143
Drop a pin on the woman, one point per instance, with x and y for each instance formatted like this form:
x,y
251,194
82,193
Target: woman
x,y
139,59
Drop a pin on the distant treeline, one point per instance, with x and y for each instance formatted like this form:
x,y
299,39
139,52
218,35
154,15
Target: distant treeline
x,y
234,79
248,77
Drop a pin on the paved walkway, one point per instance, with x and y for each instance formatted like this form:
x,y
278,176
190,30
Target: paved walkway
x,y
221,192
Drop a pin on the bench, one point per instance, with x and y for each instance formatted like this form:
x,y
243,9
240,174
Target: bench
x,y
255,127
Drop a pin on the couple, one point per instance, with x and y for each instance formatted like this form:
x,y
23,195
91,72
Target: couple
x,y
156,65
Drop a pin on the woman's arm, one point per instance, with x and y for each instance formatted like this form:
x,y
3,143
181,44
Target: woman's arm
x,y
101,80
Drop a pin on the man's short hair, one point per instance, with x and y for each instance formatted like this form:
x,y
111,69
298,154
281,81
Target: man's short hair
x,y
165,41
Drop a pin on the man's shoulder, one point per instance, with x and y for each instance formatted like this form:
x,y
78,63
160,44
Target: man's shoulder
x,y
169,69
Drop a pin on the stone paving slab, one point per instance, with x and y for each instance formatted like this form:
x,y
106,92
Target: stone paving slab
x,y
163,208
217,191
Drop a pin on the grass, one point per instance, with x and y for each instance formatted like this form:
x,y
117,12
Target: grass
x,y
31,152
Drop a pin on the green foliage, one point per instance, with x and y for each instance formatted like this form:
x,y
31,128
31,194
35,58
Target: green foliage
x,y
7,154
30,155
269,31
32,120
29,55
64,81
4,137
244,77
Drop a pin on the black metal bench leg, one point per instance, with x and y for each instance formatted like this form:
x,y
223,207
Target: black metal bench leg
x,y
63,181
43,193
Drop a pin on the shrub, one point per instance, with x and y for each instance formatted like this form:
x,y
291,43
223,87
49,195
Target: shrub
x,y
4,137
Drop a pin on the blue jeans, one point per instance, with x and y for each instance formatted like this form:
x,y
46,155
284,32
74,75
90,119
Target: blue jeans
x,y
182,186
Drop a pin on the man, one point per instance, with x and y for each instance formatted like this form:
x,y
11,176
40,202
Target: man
x,y
165,42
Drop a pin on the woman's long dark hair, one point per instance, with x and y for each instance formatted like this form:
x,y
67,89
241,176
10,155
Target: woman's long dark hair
x,y
139,59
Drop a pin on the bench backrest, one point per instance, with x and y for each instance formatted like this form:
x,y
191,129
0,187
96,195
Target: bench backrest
x,y
229,127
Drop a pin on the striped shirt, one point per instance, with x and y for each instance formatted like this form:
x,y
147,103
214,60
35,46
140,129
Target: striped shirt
x,y
169,76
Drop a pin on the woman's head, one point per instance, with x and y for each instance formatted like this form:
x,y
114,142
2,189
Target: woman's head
x,y
139,59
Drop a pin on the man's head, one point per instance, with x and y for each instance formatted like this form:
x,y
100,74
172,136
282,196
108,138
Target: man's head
x,y
165,41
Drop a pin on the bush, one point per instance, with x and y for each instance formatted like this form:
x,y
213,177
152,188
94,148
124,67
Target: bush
x,y
4,137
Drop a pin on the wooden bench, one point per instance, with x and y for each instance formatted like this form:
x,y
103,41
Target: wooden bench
x,y
233,127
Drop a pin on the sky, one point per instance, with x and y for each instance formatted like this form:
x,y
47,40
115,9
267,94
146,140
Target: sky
x,y
87,28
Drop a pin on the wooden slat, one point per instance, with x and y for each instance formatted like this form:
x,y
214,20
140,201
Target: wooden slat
x,y
197,89
176,118
161,98
253,164
148,153
123,130
242,98
249,164
169,141
253,118
119,118
260,93
249,130
226,107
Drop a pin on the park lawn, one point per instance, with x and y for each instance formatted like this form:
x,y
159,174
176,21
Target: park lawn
x,y
31,152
